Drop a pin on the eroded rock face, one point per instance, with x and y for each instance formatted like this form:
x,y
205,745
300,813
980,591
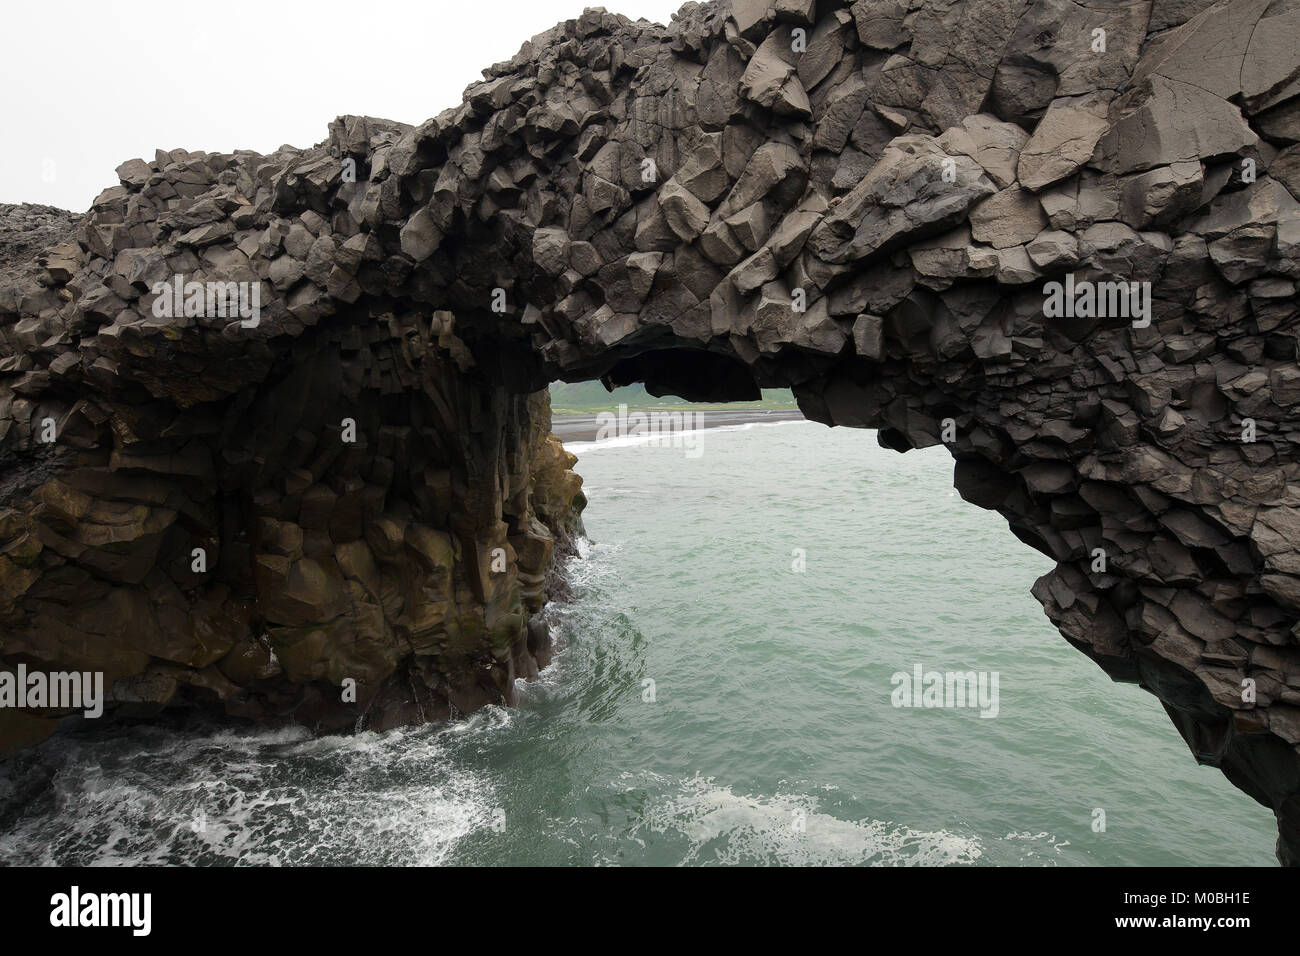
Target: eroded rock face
x,y
871,203
347,526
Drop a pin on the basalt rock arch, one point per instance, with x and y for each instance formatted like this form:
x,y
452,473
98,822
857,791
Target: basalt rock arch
x,y
868,202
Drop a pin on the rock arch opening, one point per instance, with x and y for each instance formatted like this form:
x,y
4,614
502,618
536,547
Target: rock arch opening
x,y
1075,271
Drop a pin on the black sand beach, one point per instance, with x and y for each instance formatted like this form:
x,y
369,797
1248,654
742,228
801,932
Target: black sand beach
x,y
582,428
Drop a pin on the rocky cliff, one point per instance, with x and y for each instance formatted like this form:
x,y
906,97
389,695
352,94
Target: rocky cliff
x,y
1061,238
347,526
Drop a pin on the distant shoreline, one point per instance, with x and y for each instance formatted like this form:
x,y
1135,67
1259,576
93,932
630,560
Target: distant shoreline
x,y
584,428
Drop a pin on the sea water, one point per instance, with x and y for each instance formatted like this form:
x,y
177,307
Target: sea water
x,y
726,693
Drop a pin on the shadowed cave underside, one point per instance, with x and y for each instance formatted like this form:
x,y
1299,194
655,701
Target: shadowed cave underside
x,y
863,202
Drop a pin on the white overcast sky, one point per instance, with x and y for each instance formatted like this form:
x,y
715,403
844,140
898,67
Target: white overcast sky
x,y
86,84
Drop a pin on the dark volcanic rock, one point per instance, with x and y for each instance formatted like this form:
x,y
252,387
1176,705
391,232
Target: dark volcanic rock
x,y
743,198
26,230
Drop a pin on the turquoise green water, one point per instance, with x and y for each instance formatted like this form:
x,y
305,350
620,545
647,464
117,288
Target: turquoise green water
x,y
771,737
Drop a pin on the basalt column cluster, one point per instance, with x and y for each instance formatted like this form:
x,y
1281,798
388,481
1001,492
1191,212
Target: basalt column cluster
x,y
349,526
864,201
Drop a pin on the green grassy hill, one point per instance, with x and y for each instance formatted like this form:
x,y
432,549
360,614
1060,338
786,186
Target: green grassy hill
x,y
588,397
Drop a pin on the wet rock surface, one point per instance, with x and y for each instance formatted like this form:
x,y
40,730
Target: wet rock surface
x,y
871,203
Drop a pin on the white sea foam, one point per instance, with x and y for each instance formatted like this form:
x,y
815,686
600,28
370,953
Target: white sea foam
x,y
725,827
264,798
